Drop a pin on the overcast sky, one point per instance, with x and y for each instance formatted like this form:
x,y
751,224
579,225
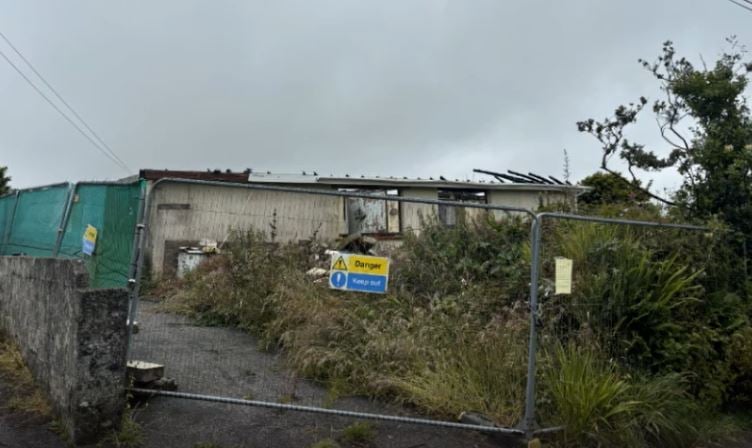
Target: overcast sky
x,y
377,87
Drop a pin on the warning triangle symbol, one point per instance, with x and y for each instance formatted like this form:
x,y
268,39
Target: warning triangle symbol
x,y
340,264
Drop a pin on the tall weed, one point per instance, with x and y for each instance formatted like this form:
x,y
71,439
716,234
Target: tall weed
x,y
598,406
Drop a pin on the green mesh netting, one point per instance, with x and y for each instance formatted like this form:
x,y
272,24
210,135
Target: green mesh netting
x,y
111,208
6,210
34,227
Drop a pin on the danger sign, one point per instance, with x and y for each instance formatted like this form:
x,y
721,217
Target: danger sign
x,y
353,272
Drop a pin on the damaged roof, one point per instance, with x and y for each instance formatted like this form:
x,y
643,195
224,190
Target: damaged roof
x,y
209,175
501,182
404,182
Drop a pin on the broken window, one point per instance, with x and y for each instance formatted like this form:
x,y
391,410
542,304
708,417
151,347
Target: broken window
x,y
372,216
451,215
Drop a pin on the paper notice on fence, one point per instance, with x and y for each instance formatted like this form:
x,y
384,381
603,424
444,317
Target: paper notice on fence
x,y
563,275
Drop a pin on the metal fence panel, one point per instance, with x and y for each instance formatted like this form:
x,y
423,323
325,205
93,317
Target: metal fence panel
x,y
34,227
581,317
223,356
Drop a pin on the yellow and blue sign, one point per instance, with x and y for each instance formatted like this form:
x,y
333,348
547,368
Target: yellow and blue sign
x,y
352,272
89,240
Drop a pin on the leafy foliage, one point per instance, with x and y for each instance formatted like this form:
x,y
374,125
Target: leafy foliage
x,y
715,159
4,180
447,261
608,188
657,302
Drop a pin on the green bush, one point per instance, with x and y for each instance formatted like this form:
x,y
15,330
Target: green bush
x,y
484,254
644,297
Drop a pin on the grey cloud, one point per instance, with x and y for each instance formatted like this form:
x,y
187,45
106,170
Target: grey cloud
x,y
378,87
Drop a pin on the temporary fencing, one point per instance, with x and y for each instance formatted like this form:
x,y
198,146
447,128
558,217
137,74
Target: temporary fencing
x,y
599,285
51,221
226,352
209,341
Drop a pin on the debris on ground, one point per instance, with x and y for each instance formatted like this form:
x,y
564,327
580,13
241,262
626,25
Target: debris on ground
x,y
357,243
148,375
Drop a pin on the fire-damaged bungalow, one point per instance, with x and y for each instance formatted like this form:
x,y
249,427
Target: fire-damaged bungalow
x,y
184,214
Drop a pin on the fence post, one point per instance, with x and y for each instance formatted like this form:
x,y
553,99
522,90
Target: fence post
x,y
529,424
134,273
64,220
9,227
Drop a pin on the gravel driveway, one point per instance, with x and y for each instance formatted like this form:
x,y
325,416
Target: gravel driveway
x,y
228,362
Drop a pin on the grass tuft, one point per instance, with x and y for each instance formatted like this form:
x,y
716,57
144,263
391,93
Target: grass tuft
x,y
25,396
130,434
326,443
359,434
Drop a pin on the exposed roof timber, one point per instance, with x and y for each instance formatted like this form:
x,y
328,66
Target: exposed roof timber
x,y
517,179
521,178
490,173
524,176
341,182
502,182
540,178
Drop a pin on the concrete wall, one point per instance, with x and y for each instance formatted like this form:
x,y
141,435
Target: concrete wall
x,y
72,338
189,213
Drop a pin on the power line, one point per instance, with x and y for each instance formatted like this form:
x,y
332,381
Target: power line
x,y
746,5
113,157
62,100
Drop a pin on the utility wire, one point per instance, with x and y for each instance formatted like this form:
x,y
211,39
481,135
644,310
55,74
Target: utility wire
x,y
62,100
746,5
113,157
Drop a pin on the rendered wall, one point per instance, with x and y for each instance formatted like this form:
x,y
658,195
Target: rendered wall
x,y
73,339
188,213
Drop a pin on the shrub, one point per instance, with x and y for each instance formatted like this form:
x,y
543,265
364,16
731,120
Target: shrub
x,y
598,406
483,253
646,303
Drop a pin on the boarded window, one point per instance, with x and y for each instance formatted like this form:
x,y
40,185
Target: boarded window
x,y
374,216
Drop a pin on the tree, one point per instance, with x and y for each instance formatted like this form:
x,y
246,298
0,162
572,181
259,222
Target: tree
x,y
4,181
705,123
609,188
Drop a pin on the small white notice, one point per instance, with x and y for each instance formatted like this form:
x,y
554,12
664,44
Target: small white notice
x,y
563,282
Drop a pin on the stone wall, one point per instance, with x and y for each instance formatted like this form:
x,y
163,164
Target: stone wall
x,y
73,339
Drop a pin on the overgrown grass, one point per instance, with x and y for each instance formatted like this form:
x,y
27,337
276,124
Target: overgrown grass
x,y
599,406
130,434
655,338
25,396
